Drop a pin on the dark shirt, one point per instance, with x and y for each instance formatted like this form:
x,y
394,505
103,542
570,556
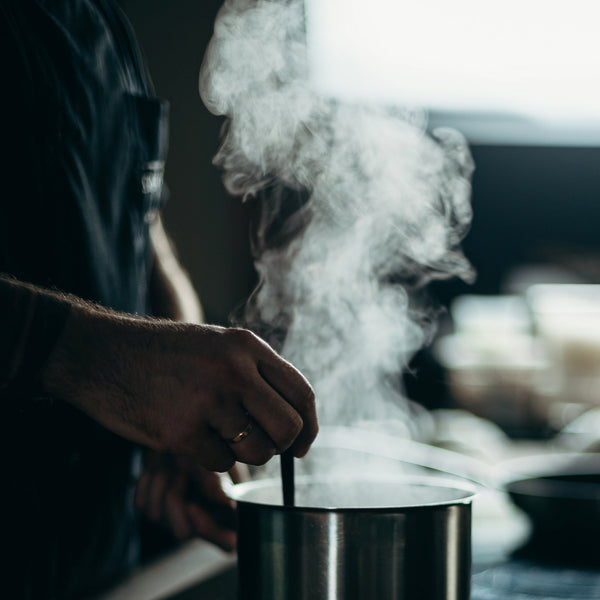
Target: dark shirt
x,y
84,147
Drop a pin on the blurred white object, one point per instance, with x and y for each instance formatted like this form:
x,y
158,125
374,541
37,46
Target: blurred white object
x,y
490,315
522,277
462,431
531,60
564,299
567,318
509,352
506,379
583,433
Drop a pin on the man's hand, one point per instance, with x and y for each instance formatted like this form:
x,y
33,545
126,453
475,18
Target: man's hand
x,y
183,389
188,500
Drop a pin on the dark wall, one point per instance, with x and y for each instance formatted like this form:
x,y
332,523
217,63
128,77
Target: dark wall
x,y
532,204
209,227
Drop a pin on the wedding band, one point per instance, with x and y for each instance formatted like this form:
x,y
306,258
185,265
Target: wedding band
x,y
242,435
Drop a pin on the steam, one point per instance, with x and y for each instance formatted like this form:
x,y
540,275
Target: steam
x,y
360,208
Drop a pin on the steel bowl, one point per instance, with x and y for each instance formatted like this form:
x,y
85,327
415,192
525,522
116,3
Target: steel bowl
x,y
561,495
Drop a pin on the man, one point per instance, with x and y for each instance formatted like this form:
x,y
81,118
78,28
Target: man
x,y
85,379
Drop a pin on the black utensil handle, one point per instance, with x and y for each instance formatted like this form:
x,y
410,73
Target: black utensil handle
x,y
287,478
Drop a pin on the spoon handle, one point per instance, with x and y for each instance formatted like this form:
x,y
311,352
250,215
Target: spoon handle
x,y
287,478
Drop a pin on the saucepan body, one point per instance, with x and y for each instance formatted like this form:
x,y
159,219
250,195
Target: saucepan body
x,y
408,538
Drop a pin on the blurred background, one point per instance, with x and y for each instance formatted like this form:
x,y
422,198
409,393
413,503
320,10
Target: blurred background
x,y
536,214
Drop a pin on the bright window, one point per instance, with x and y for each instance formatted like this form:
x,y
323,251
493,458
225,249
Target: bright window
x,y
535,59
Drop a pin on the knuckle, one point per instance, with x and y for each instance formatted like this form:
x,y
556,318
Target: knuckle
x,y
242,337
306,397
289,431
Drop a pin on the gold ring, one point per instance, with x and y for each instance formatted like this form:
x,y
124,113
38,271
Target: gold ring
x,y
242,435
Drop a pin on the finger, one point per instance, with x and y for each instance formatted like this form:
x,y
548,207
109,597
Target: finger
x,y
156,495
277,417
228,418
206,527
239,473
153,461
209,488
213,452
295,389
204,484
255,449
176,514
244,436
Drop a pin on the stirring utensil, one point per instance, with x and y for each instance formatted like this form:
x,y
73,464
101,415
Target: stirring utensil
x,y
287,478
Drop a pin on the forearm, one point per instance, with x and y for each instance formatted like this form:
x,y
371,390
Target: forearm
x,y
58,346
174,387
171,292
181,388
31,320
95,366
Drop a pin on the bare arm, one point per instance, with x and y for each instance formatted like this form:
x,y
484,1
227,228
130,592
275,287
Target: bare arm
x,y
171,292
180,388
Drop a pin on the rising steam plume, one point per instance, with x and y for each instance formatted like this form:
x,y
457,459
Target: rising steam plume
x,y
360,208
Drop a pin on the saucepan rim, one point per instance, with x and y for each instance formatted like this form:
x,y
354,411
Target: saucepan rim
x,y
464,492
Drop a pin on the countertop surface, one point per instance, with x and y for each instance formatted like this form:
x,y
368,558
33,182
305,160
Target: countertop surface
x,y
198,572
195,570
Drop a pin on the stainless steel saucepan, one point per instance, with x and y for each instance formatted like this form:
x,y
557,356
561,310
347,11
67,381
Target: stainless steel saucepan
x,y
357,538
361,532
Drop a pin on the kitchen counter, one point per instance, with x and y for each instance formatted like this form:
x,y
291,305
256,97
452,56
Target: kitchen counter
x,y
200,572
197,571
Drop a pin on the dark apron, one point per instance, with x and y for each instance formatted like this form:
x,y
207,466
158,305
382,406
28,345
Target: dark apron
x,y
86,143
